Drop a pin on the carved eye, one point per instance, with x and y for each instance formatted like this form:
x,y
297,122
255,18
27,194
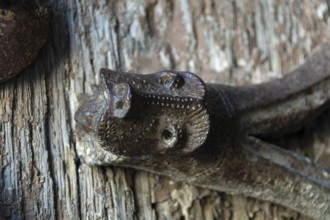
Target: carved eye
x,y
170,136
171,80
167,135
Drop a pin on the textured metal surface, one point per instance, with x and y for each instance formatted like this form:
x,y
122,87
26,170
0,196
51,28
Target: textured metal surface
x,y
23,31
200,133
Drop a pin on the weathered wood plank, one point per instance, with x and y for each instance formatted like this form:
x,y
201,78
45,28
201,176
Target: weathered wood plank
x,y
226,41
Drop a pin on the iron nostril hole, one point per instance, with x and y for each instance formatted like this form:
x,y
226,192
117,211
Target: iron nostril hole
x,y
167,135
172,80
178,82
119,105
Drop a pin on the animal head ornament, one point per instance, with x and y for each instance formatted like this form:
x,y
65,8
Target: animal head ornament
x,y
133,114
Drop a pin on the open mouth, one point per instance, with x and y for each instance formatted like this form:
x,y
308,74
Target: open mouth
x,y
114,98
90,113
